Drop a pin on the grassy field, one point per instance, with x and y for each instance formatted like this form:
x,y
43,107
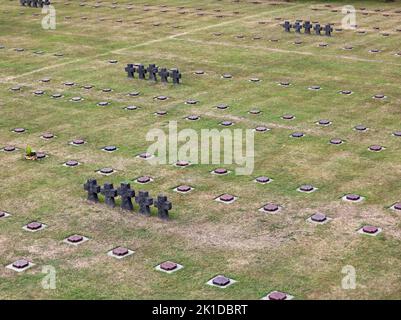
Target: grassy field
x,y
262,252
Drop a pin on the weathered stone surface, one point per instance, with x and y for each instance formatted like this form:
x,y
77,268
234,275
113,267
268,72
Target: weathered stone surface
x,y
297,135
75,239
370,229
168,266
21,264
184,188
353,197
226,197
221,281
34,225
120,251
277,295
144,179
71,163
270,207
220,171
375,148
336,141
318,217
262,179
110,148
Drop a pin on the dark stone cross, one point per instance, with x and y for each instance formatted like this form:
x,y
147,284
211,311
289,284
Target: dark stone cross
x,y
176,76
93,189
152,70
164,74
22,2
144,202
109,194
328,30
130,70
34,3
126,194
141,71
287,26
317,28
307,27
163,206
297,27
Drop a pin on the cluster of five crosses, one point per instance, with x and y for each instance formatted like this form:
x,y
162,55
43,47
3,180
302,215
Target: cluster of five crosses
x,y
307,26
153,71
35,3
126,193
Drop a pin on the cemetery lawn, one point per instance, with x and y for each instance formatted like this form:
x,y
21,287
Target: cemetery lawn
x,y
262,252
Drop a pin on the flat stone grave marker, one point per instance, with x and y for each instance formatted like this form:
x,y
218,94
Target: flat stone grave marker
x,y
396,206
77,142
106,171
351,197
226,76
397,133
254,111
9,148
336,141
319,218
261,129
20,265
75,239
110,148
182,163
376,148
226,198
145,155
314,88
192,117
346,92
57,95
360,127
278,295
76,99
120,253
19,130
103,103
191,101
307,188
34,226
134,93
39,92
288,117
270,208
296,135
161,113
4,214
263,180
71,163
183,189
324,122
131,108
222,106
220,171
144,179
221,281
227,123
379,96
168,267
370,230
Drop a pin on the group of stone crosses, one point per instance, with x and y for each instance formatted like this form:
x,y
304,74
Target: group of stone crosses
x,y
35,3
308,26
153,71
126,193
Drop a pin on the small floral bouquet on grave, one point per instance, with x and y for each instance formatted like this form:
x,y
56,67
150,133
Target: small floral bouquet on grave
x,y
30,154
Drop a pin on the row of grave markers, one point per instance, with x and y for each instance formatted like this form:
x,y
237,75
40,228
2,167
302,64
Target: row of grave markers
x,y
34,3
308,26
126,194
153,71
